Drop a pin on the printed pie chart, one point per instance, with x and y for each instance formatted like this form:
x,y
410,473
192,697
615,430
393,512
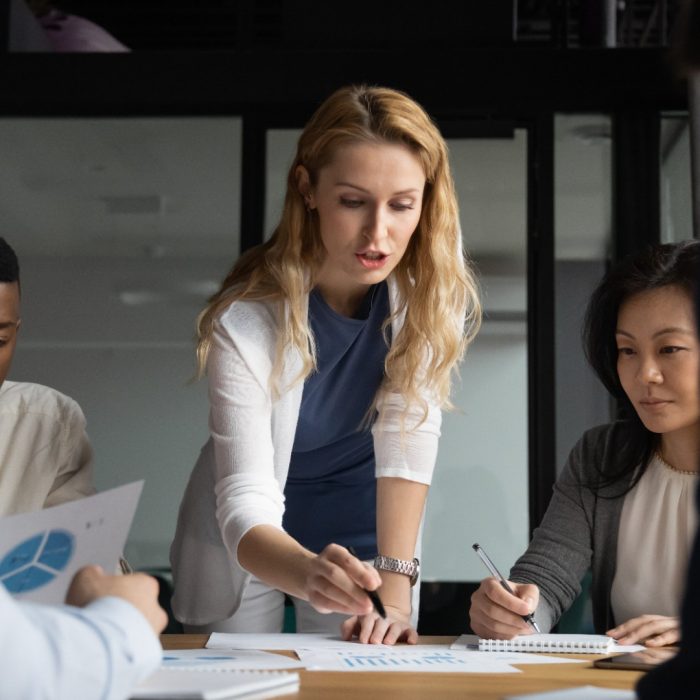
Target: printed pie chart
x,y
36,561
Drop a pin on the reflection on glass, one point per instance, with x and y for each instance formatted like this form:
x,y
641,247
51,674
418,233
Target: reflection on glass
x,y
582,244
123,228
481,480
675,180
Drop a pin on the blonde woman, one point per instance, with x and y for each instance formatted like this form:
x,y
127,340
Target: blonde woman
x,y
329,351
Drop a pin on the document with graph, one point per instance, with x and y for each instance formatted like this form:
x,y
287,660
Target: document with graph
x,y
40,551
406,658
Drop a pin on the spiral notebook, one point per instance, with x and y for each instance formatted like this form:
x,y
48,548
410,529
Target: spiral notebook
x,y
557,643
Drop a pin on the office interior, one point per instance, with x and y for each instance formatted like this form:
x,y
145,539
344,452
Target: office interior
x,y
131,181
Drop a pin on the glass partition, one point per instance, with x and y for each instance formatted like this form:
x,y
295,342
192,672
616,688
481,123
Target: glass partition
x,y
480,487
582,248
123,228
676,199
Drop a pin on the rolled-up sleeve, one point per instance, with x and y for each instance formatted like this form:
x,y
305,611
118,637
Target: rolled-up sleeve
x,y
406,441
240,421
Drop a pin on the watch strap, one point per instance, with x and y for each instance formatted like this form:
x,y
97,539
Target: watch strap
x,y
407,567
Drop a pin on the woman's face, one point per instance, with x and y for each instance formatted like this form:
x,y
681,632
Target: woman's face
x,y
369,200
658,360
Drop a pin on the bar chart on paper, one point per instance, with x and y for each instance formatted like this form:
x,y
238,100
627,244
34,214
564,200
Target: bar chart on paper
x,y
401,659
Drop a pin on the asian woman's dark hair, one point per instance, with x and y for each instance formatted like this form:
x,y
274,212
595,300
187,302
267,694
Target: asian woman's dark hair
x,y
658,266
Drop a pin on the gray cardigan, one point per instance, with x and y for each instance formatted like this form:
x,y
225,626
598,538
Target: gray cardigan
x,y
578,532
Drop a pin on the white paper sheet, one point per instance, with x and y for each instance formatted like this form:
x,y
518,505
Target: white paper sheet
x,y
202,685
40,551
221,660
418,658
220,640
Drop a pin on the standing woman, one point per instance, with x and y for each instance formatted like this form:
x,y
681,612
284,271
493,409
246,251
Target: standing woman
x,y
329,351
624,503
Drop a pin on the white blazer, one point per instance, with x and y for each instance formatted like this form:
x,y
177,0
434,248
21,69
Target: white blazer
x,y
238,481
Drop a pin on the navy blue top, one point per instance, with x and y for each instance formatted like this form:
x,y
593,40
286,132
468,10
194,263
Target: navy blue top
x,y
331,488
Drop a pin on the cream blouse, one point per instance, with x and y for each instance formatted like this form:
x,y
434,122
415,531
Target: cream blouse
x,y
657,528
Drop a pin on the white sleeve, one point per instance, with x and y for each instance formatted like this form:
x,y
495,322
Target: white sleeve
x,y
405,445
61,652
240,421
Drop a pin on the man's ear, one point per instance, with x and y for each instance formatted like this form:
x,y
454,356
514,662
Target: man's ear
x,y
19,323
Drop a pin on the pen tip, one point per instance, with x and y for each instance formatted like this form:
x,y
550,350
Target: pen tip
x,y
475,546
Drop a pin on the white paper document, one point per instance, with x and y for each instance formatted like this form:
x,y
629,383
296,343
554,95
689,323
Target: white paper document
x,y
423,659
205,685
220,640
221,660
41,551
584,692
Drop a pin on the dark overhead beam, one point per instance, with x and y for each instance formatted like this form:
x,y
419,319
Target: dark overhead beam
x,y
449,82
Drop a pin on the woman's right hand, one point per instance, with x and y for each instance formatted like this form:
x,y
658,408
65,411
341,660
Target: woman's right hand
x,y
496,614
335,582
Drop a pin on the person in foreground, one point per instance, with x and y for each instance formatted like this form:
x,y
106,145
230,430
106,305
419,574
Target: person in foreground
x,y
329,352
623,505
99,645
45,455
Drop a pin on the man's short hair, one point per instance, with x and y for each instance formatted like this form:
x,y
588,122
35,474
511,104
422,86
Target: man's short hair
x,y
9,265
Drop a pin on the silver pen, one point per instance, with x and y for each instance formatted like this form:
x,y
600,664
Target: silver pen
x,y
530,619
125,566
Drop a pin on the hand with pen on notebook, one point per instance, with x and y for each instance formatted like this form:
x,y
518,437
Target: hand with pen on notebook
x,y
497,614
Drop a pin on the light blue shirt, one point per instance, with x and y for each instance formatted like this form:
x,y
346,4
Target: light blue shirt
x,y
62,652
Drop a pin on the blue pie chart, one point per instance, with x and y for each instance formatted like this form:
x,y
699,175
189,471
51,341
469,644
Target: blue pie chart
x,y
36,561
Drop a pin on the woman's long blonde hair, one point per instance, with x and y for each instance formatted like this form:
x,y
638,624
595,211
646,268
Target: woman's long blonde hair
x,y
438,289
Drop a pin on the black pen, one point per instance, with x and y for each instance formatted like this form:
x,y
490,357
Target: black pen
x,y
373,595
530,619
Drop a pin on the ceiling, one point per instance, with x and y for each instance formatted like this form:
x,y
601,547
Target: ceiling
x,y
239,24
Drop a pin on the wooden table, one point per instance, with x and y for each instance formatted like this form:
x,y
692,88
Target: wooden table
x,y
326,685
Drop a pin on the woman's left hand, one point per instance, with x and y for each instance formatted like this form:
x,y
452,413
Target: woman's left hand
x,y
373,629
650,630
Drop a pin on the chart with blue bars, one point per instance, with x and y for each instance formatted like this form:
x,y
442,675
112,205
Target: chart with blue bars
x,y
36,561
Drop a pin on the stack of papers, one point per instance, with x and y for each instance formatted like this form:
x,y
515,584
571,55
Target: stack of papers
x,y
205,685
206,674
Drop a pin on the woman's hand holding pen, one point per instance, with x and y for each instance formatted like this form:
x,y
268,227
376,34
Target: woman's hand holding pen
x,y
496,614
395,625
650,630
336,581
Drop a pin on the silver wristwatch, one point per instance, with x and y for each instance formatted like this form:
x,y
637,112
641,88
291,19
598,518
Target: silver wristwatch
x,y
407,567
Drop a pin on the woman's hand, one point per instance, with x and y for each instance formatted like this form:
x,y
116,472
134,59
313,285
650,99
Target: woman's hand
x,y
496,614
373,629
336,582
650,630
